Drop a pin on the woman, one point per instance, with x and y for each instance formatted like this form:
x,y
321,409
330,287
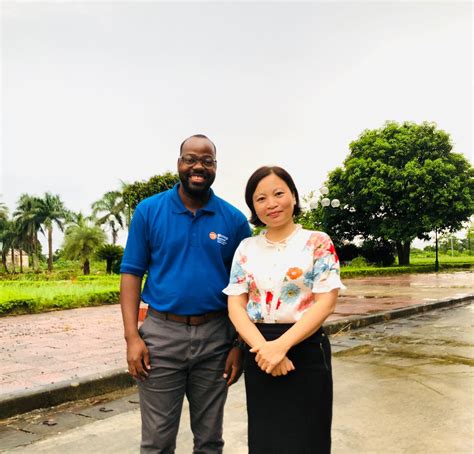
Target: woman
x,y
283,285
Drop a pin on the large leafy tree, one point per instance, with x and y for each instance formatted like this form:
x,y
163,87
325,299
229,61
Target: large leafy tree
x,y
52,211
134,193
81,242
110,210
398,183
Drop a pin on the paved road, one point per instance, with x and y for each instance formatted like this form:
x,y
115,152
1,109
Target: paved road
x,y
40,352
401,387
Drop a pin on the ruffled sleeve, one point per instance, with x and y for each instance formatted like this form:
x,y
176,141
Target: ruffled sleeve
x,y
326,269
238,282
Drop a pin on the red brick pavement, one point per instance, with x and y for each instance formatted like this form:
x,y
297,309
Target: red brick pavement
x,y
43,349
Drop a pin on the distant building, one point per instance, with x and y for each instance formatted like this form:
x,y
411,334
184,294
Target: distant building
x,y
17,257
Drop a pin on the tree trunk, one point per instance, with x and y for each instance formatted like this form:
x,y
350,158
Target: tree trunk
x,y
13,259
50,249
114,236
21,260
109,266
4,262
34,256
86,267
403,252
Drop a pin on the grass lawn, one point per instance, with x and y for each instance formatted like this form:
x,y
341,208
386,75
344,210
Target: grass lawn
x,y
419,263
30,296
416,259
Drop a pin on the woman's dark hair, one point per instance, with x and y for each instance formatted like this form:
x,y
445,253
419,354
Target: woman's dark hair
x,y
252,184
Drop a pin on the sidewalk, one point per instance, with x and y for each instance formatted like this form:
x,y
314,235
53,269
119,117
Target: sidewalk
x,y
53,357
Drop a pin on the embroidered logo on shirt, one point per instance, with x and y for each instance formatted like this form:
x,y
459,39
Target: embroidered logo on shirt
x,y
222,239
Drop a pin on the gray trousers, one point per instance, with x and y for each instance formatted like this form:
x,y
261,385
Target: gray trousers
x,y
185,360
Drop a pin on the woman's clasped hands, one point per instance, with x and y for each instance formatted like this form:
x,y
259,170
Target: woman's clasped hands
x,y
271,358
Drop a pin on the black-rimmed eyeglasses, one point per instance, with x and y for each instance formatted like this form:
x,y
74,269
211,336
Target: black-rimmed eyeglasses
x,y
191,160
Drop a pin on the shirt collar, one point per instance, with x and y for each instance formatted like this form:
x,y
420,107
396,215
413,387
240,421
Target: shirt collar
x,y
210,207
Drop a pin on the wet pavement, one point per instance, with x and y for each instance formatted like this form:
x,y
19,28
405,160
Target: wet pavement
x,y
387,293
405,386
66,354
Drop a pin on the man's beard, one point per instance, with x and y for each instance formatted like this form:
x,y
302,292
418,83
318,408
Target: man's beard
x,y
193,189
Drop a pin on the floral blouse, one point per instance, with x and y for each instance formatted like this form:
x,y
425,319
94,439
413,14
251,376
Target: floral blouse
x,y
280,278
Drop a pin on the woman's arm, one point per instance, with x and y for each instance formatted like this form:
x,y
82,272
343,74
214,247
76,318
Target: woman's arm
x,y
240,319
249,332
271,353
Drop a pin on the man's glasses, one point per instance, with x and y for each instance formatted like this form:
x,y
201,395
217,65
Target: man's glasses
x,y
206,161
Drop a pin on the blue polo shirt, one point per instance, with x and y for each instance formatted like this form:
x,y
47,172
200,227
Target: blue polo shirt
x,y
187,257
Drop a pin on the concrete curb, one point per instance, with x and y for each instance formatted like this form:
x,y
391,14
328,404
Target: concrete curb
x,y
94,385
360,321
58,393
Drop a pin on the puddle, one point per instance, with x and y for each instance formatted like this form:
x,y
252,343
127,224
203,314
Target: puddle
x,y
411,340
433,358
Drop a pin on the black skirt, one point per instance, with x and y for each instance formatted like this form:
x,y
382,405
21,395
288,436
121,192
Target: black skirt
x,y
291,414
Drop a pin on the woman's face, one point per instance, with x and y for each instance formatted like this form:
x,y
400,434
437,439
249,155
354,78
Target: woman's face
x,y
273,201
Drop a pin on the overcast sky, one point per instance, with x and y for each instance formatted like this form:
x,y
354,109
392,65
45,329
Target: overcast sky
x,y
94,93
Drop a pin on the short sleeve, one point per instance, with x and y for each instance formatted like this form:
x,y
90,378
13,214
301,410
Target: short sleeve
x,y
136,255
238,282
326,268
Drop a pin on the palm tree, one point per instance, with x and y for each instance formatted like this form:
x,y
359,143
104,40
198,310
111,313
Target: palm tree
x,y
6,240
11,239
52,211
3,212
111,254
28,223
110,210
81,241
78,219
5,234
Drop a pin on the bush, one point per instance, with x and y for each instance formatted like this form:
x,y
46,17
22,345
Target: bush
x,y
379,252
347,252
359,262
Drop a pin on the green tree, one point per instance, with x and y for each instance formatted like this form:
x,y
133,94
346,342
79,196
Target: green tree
x,y
5,234
110,210
401,182
27,217
81,242
449,242
111,253
469,240
311,218
12,238
3,212
52,211
134,193
78,219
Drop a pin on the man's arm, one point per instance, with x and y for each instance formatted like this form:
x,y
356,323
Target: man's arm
x,y
138,358
233,365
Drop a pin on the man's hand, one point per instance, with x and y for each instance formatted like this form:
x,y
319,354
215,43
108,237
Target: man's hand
x,y
283,367
138,358
269,355
233,366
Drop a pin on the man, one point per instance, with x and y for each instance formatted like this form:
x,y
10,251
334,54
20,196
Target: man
x,y
185,240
